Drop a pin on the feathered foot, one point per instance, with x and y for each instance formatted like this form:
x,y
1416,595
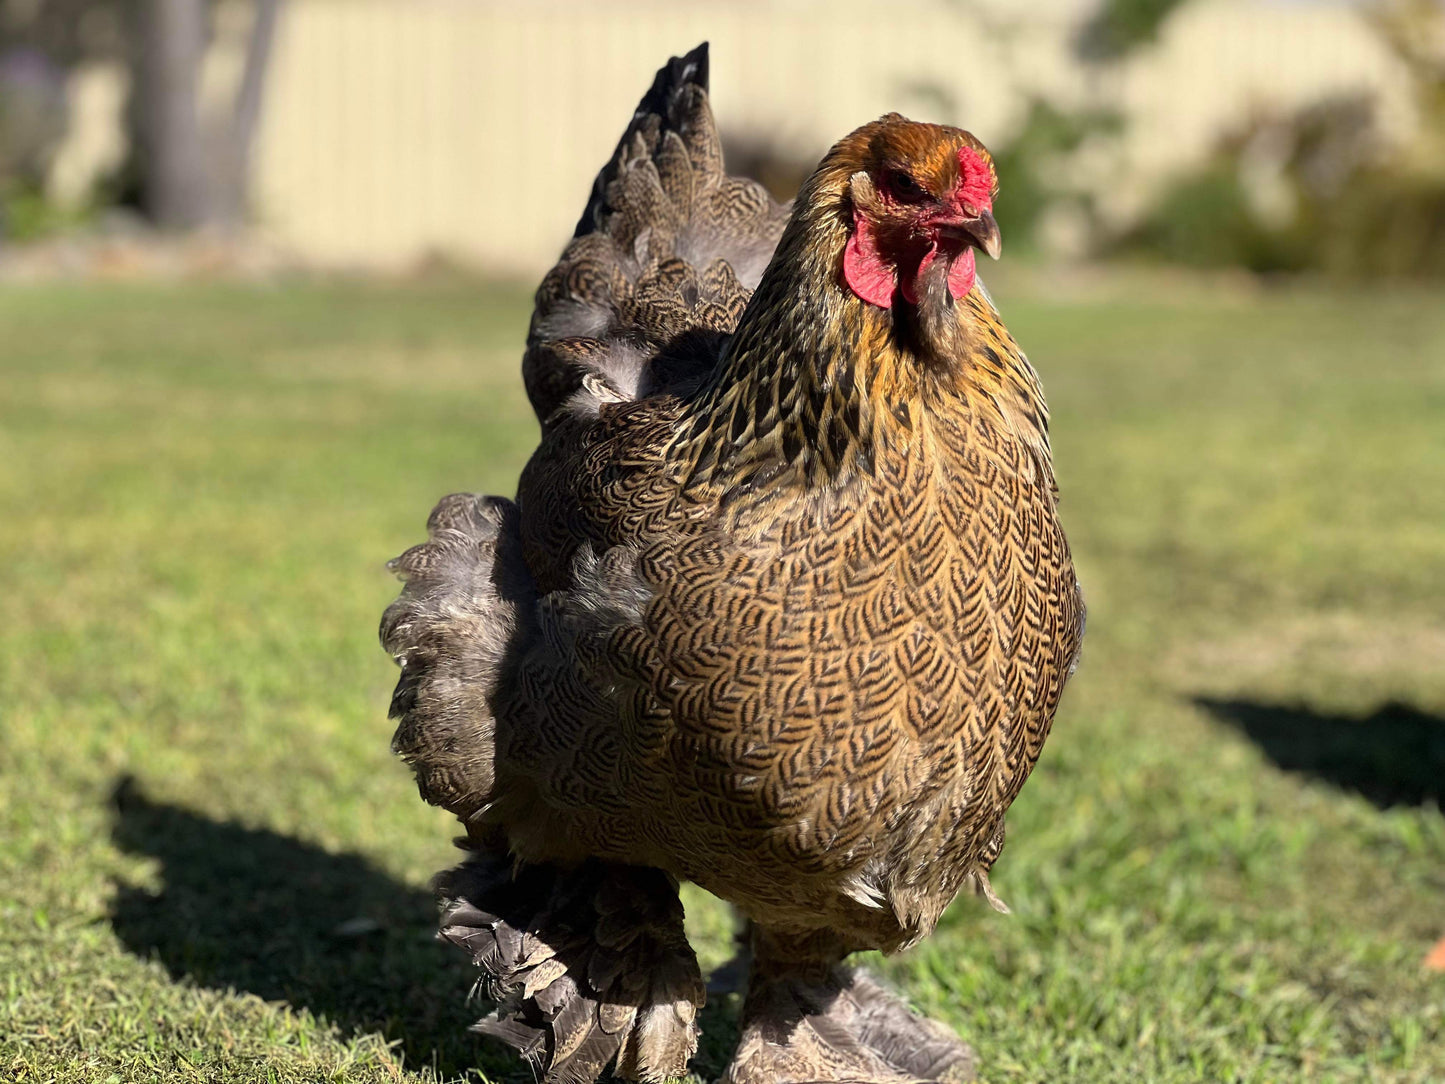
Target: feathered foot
x,y
915,1044
585,966
811,1023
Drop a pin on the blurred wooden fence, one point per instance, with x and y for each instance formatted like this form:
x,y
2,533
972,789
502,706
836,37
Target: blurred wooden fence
x,y
395,129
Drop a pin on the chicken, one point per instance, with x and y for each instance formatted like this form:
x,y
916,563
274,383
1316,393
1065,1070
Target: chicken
x,y
782,608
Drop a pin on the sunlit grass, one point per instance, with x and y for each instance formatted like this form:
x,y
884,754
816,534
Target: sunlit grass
x,y
198,490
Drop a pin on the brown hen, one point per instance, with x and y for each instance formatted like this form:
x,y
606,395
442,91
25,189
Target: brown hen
x,y
782,607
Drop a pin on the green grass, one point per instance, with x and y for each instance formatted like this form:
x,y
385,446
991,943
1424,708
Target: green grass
x,y
1228,866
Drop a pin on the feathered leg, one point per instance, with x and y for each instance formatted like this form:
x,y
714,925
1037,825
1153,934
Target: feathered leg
x,y
808,1018
912,1043
585,965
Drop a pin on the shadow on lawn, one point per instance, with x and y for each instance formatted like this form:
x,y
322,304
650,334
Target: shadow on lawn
x,y
249,909
1395,756
252,910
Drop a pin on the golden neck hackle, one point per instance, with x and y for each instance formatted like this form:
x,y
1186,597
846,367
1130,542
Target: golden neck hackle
x,y
816,380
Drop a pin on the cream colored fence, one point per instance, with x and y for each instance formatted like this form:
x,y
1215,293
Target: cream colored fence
x,y
395,129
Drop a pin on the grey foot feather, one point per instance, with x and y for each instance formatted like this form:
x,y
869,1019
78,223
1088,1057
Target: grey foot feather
x,y
586,967
847,1029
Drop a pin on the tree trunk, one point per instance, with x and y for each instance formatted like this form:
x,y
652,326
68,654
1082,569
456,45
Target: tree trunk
x,y
172,47
233,159
195,169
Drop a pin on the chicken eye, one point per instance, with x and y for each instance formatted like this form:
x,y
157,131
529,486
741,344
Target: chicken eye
x,y
904,186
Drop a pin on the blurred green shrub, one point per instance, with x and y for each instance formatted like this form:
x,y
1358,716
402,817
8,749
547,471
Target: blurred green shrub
x,y
26,214
1205,220
1378,218
1120,26
32,120
1390,225
1316,189
1034,163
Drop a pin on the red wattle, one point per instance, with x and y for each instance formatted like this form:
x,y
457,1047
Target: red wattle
x,y
962,274
867,273
908,284
874,279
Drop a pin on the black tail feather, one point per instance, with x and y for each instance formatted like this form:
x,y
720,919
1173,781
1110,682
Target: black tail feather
x,y
691,69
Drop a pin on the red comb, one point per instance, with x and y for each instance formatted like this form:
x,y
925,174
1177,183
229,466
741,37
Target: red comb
x,y
975,179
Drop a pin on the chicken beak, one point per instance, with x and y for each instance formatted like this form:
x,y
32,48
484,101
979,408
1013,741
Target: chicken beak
x,y
981,231
984,231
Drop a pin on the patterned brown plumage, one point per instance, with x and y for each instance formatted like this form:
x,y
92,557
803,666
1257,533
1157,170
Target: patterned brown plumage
x,y
783,606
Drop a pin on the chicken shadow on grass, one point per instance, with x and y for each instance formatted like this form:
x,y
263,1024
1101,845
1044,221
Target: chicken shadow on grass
x,y
1393,756
256,911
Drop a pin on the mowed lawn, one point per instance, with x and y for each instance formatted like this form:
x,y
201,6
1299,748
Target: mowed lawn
x,y
1229,865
